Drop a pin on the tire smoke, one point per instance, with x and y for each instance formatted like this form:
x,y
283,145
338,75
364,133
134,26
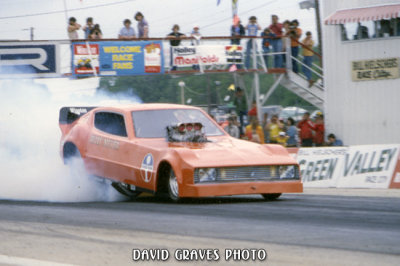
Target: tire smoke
x,y
30,163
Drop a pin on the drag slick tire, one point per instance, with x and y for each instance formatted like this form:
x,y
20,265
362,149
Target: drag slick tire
x,y
271,196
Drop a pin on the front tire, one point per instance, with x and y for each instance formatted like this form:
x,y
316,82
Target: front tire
x,y
271,196
173,188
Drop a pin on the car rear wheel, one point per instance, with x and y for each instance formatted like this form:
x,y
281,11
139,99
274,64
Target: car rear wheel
x,y
173,190
271,196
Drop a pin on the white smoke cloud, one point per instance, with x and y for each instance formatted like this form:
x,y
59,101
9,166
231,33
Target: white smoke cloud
x,y
30,163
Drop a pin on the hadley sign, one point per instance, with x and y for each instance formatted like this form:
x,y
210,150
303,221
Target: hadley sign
x,y
187,56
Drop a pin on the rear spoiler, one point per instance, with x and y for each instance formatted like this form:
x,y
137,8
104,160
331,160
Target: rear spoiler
x,y
69,114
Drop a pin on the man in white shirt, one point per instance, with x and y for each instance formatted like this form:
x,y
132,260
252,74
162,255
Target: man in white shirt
x,y
127,32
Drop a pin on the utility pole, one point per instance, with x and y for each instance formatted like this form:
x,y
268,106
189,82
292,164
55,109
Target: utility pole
x,y
317,17
31,29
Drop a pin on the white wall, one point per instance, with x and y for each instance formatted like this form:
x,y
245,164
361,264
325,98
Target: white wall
x,y
358,112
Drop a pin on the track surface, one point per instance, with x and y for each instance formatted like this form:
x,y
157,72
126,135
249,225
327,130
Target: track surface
x,y
297,229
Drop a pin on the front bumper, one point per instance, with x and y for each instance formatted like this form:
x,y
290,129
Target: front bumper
x,y
242,188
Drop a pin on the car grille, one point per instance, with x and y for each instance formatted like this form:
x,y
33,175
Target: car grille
x,y
250,173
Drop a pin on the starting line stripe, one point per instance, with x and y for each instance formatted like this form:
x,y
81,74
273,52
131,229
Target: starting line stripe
x,y
5,259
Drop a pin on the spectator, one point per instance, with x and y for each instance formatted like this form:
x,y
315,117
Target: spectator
x,y
95,33
286,29
253,110
254,131
291,133
306,127
332,141
266,41
127,32
308,57
295,34
196,35
276,28
73,28
196,41
237,30
174,37
264,124
252,29
143,26
282,139
274,127
88,27
241,107
232,129
319,130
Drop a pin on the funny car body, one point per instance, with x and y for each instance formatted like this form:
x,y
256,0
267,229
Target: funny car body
x,y
172,150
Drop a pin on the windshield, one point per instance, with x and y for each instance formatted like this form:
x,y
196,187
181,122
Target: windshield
x,y
153,123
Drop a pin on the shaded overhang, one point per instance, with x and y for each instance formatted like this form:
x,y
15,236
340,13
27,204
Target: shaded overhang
x,y
363,14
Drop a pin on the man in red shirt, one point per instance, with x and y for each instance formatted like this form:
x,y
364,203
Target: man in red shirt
x,y
319,130
277,46
306,127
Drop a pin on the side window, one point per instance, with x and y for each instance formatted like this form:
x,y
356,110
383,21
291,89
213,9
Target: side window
x,y
370,29
111,123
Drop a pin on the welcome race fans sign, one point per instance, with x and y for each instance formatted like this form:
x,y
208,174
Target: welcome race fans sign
x,y
117,58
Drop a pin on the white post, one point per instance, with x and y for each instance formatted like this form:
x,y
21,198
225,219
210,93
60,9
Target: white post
x,y
182,85
256,81
288,53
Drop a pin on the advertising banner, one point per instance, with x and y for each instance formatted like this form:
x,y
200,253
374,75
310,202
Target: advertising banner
x,y
368,166
363,166
86,59
28,59
118,58
321,167
396,174
187,56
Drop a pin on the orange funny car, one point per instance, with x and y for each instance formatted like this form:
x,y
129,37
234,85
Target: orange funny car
x,y
173,150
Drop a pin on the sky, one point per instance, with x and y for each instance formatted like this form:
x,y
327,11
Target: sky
x,y
48,17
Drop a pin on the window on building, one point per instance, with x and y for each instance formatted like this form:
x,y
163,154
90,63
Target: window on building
x,y
111,123
370,29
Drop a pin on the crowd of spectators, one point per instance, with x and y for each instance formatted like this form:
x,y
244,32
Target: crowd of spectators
x,y
93,32
304,133
272,41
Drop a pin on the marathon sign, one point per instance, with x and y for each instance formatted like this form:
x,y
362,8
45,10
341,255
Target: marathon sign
x,y
29,60
386,68
364,166
206,55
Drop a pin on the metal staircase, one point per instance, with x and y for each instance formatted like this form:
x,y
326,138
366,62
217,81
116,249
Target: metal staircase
x,y
300,86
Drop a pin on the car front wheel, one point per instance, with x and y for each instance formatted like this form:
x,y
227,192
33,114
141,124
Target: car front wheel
x,y
173,190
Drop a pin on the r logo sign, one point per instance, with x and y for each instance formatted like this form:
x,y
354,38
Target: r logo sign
x,y
28,60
